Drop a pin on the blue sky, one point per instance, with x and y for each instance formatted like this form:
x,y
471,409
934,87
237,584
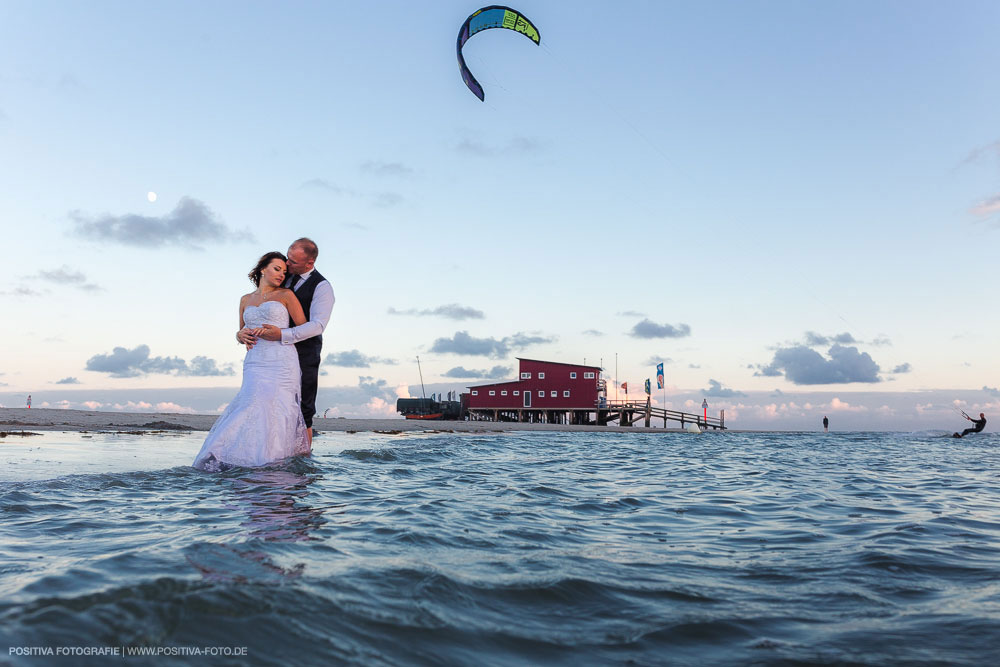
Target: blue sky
x,y
768,196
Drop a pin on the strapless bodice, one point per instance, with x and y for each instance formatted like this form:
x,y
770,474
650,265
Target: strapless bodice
x,y
269,312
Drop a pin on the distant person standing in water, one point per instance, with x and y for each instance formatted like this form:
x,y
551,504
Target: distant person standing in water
x,y
29,401
826,424
978,425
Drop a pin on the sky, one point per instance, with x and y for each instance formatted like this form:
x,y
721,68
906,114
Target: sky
x,y
789,204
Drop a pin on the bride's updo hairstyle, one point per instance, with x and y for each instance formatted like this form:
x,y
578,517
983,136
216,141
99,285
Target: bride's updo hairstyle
x,y
262,263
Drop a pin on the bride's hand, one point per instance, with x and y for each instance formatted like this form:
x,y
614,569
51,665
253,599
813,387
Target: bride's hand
x,y
247,337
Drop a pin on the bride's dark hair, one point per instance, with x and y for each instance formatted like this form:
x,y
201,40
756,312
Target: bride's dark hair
x,y
262,263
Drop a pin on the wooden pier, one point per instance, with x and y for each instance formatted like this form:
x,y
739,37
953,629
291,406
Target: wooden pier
x,y
626,413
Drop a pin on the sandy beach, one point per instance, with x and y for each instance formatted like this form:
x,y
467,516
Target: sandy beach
x,y
48,419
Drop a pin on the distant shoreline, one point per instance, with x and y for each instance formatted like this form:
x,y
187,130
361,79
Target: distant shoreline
x,y
53,419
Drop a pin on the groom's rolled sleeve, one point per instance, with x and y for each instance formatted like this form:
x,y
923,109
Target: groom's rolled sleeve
x,y
319,316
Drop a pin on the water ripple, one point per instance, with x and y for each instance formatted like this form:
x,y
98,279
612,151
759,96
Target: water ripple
x,y
514,548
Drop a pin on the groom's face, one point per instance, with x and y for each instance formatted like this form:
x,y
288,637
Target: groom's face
x,y
298,261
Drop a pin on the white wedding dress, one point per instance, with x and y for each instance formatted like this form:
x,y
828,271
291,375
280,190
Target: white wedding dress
x,y
264,422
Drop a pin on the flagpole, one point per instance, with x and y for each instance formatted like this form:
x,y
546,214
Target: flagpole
x,y
616,376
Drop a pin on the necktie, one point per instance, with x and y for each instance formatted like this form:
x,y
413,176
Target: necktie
x,y
294,281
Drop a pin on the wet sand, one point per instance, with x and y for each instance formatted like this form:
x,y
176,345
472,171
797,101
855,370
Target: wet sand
x,y
49,419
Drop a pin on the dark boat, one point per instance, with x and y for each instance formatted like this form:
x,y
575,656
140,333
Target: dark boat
x,y
432,408
429,408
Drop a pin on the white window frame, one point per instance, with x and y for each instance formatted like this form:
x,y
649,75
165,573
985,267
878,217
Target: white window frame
x,y
572,375
589,375
554,394
566,393
493,392
517,393
525,376
541,375
475,392
503,392
541,393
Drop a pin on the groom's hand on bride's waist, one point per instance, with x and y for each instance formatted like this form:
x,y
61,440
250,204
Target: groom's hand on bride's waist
x,y
269,332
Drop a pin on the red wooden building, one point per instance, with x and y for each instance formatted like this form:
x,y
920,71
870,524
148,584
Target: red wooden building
x,y
547,391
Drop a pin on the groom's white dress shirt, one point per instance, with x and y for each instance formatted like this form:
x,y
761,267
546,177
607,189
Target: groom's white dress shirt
x,y
320,311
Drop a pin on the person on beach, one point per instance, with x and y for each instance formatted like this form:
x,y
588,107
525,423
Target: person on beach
x,y
315,295
978,425
29,401
826,424
264,422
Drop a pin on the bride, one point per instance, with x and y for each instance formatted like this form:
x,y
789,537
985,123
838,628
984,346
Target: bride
x,y
264,422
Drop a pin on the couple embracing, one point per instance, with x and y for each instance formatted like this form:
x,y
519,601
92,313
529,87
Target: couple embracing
x,y
281,324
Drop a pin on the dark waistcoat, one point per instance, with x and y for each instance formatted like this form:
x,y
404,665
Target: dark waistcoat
x,y
304,294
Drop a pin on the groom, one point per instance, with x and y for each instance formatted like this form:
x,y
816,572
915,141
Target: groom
x,y
315,294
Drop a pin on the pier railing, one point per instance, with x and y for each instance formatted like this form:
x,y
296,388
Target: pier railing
x,y
627,412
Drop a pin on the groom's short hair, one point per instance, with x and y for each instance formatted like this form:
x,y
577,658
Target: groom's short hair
x,y
308,246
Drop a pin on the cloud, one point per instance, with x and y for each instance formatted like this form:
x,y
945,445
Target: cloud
x,y
902,368
327,186
451,311
387,199
630,313
988,150
355,359
376,388
205,367
650,329
801,365
395,169
66,276
814,339
992,391
463,343
593,332
125,363
190,224
514,146
68,380
987,207
881,341
22,291
716,389
838,405
495,373
652,361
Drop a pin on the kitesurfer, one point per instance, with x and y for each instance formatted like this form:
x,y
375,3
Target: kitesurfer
x,y
978,425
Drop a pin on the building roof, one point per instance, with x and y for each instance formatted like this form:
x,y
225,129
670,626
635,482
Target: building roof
x,y
558,363
518,380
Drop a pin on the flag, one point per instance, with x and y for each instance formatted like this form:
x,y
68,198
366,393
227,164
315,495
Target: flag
x,y
647,386
659,375
625,387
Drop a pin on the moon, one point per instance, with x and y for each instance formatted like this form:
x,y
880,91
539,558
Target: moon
x,y
151,196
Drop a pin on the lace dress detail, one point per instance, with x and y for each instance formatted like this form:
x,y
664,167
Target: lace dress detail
x,y
264,422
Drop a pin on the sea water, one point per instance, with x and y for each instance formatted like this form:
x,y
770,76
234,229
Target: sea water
x,y
505,549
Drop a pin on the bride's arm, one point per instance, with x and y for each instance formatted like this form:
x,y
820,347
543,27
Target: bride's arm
x,y
246,336
293,306
243,306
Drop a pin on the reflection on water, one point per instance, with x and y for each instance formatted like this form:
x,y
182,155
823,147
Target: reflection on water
x,y
275,504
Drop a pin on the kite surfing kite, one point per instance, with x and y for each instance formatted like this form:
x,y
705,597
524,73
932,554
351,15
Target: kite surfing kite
x,y
494,16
